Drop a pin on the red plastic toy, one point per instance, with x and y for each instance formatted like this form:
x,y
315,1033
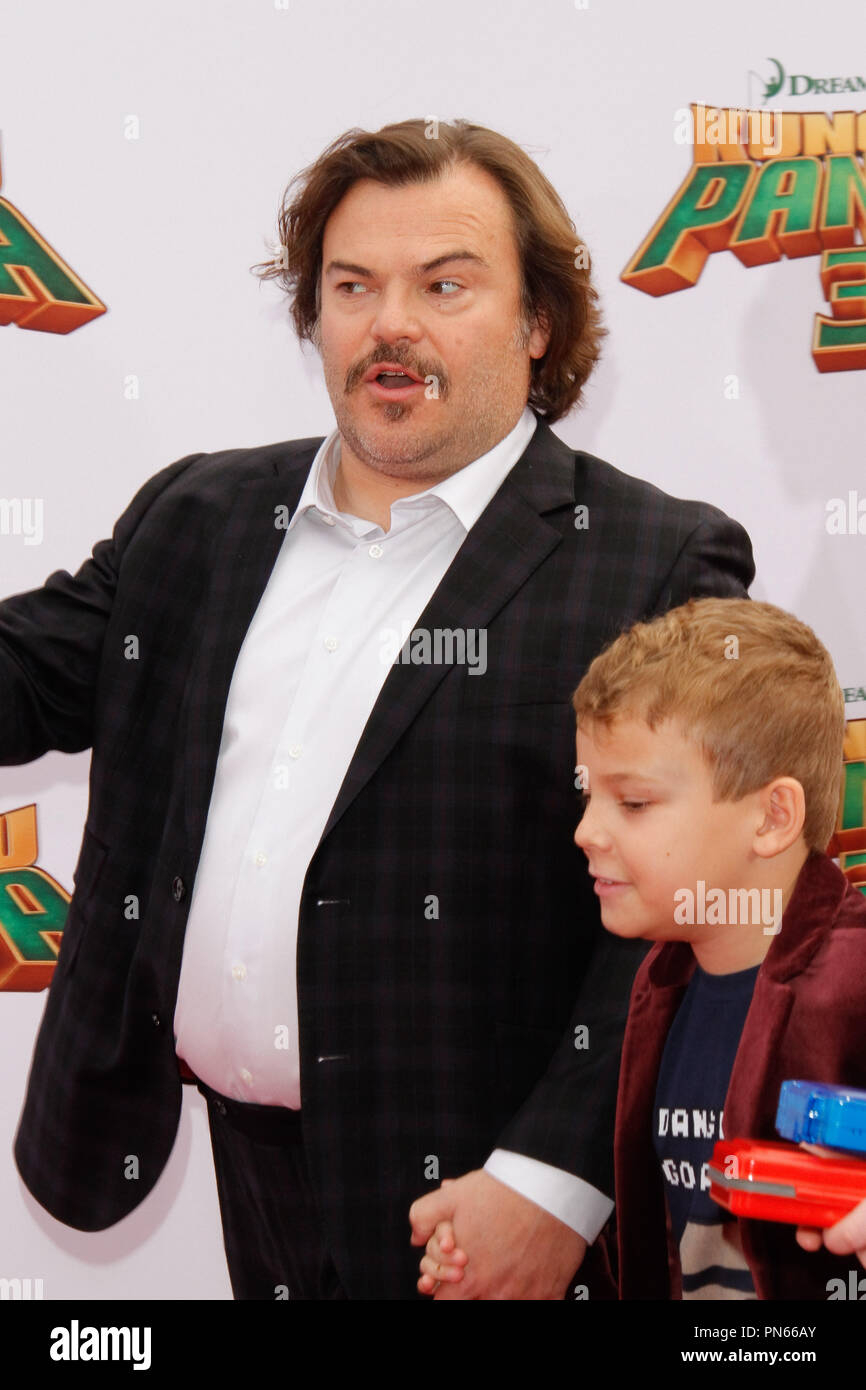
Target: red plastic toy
x,y
771,1181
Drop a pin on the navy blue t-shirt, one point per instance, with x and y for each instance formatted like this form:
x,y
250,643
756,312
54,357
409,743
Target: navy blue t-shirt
x,y
693,1081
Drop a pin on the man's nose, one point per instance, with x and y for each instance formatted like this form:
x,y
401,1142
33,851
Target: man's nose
x,y
396,315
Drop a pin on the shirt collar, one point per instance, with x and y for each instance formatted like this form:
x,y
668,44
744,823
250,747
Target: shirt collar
x,y
467,492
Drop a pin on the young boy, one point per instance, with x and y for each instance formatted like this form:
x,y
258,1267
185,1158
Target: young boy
x,y
710,745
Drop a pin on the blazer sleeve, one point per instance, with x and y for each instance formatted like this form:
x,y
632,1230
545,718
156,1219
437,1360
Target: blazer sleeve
x,y
568,1118
716,561
51,642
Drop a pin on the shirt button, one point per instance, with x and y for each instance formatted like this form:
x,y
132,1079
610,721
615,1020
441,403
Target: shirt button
x,y
261,858
246,1076
295,750
239,972
375,551
328,520
331,644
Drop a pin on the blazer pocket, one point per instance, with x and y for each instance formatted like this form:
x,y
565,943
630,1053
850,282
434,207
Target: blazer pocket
x,y
534,685
85,877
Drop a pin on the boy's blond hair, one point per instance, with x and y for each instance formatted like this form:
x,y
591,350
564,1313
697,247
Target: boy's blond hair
x,y
750,684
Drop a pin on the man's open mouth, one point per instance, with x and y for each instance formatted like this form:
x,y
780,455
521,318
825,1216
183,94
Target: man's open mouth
x,y
391,376
392,380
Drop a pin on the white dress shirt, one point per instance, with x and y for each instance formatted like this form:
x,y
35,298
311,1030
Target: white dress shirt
x,y
321,640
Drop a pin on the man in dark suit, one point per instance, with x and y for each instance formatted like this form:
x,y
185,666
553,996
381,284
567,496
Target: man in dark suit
x,y
342,887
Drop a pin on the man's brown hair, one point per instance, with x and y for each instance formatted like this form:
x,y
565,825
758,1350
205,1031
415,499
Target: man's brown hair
x,y
750,684
557,290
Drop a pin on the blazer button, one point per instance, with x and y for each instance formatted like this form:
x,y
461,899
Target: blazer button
x,y
178,889
156,1020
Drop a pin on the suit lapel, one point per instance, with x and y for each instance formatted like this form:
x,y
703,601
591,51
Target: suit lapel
x,y
756,1079
507,543
247,550
750,1086
656,996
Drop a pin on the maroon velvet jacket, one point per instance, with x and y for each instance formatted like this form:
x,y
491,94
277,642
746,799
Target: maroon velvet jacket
x,y
807,1021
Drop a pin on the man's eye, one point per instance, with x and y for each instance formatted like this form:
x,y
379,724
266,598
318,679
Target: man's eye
x,y
634,805
351,285
455,283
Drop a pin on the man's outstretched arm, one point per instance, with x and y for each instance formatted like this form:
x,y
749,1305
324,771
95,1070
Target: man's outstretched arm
x,y
51,643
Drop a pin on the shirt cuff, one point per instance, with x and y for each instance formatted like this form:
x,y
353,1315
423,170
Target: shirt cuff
x,y
571,1200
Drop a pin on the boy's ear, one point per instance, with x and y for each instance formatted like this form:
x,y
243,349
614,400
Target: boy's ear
x,y
783,802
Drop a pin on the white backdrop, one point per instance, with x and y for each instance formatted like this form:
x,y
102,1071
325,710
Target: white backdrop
x,y
229,99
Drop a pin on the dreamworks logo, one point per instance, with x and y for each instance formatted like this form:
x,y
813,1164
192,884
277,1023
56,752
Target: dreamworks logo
x,y
438,646
800,84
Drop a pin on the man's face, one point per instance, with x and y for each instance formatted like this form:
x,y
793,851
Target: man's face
x,y
651,827
425,277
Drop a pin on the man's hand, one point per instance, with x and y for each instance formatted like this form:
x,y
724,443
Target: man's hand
x,y
516,1249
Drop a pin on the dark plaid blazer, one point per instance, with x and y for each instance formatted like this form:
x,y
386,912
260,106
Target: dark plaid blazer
x,y
426,1040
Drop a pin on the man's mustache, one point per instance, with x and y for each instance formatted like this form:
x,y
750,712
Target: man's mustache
x,y
426,371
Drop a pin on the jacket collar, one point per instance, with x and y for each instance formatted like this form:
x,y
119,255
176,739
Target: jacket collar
x,y
470,594
544,474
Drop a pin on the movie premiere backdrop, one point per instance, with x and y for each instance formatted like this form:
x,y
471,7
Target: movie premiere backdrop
x,y
712,160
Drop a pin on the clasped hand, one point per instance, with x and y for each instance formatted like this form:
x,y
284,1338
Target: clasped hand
x,y
485,1241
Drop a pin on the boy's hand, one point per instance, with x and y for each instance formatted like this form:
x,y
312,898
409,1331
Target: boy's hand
x,y
517,1250
443,1261
847,1237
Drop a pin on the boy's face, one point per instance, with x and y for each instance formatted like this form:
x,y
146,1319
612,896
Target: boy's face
x,y
651,827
